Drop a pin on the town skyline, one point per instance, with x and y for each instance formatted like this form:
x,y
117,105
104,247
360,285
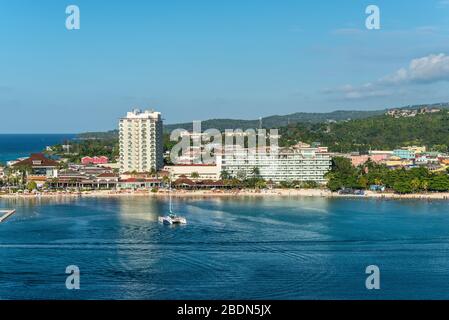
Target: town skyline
x,y
252,60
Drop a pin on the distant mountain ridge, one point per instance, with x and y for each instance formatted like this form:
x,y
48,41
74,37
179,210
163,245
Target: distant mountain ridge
x,y
275,121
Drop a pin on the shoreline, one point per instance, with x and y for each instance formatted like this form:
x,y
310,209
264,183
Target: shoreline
x,y
306,193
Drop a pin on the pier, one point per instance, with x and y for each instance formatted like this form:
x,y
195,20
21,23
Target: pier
x,y
5,214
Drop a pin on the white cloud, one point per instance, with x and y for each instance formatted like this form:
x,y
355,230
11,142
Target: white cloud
x,y
430,69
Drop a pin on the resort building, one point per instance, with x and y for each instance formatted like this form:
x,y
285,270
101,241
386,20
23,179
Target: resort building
x,y
141,146
404,154
104,181
303,164
135,183
416,149
194,171
185,183
383,153
358,160
395,162
94,160
39,168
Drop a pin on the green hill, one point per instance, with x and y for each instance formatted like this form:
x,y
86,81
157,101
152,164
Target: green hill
x,y
364,131
277,120
379,132
267,122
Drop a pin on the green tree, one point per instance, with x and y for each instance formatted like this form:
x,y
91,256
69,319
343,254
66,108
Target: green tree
x,y
363,182
415,184
255,172
425,185
308,184
31,186
402,187
241,175
224,175
439,183
195,175
260,184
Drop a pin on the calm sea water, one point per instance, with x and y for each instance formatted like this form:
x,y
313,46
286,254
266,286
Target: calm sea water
x,y
13,146
231,249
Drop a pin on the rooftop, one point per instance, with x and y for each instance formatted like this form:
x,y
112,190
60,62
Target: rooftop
x,y
37,160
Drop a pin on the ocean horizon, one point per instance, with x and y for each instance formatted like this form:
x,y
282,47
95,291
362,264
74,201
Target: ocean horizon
x,y
13,146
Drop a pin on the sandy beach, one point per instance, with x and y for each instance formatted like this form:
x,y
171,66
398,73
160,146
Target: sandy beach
x,y
230,193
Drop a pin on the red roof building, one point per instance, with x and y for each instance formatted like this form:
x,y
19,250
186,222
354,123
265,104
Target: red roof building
x,y
37,160
94,160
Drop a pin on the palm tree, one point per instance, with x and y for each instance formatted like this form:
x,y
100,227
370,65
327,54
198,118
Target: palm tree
x,y
256,172
415,184
378,181
195,175
241,175
425,185
165,180
153,172
23,171
260,184
224,175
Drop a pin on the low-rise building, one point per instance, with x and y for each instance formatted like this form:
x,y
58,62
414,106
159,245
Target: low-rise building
x,y
84,177
358,160
38,168
185,183
416,149
94,160
404,154
194,171
135,183
397,162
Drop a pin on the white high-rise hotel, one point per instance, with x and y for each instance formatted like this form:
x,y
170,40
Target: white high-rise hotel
x,y
141,144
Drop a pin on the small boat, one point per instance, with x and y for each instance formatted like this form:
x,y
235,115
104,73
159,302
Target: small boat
x,y
172,218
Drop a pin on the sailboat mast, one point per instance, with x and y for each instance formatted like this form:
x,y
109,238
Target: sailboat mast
x,y
170,204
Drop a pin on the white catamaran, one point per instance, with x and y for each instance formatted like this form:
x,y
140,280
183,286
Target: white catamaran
x,y
172,218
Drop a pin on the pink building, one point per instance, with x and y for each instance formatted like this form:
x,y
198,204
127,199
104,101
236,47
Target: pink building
x,y
94,160
361,159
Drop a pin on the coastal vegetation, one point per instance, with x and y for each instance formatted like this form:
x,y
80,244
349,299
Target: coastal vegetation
x,y
378,132
75,150
402,181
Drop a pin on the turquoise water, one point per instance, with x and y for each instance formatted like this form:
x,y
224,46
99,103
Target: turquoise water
x,y
13,146
231,249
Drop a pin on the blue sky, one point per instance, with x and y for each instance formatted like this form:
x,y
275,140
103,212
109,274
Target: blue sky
x,y
201,59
